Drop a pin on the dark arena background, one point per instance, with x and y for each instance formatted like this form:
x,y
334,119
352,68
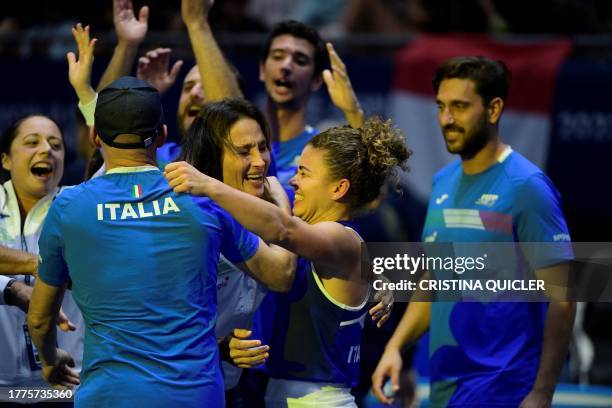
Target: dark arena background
x,y
558,115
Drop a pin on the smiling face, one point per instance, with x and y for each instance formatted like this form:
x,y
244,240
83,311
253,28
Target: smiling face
x,y
288,71
462,116
35,158
191,100
313,185
246,164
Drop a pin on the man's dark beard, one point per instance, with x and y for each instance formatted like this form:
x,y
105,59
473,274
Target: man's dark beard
x,y
475,141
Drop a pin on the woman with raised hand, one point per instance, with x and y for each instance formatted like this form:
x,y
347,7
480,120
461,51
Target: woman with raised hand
x,y
314,353
32,150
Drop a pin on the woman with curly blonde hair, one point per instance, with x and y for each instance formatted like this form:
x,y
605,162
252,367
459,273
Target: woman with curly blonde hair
x,y
314,352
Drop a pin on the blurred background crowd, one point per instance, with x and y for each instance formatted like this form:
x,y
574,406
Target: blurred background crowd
x,y
338,16
384,44
41,27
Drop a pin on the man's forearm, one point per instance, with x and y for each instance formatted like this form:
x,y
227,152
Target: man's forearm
x,y
218,80
414,323
120,64
45,341
557,333
44,337
355,118
15,262
42,318
18,294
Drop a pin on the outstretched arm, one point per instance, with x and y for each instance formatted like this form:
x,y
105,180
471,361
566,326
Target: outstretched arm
x,y
273,265
341,91
130,33
218,81
15,262
327,243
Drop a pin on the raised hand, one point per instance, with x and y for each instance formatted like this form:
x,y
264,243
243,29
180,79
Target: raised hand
x,y
194,11
79,70
340,89
129,29
154,68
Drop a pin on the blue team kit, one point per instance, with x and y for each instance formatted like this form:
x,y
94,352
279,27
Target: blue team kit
x,y
143,265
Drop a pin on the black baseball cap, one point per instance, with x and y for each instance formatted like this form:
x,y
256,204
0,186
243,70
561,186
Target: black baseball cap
x,y
128,106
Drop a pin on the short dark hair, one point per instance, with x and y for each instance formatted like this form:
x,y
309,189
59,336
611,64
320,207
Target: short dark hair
x,y
10,133
367,156
209,133
492,78
304,31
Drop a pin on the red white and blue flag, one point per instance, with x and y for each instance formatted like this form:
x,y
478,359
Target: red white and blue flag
x,y
525,124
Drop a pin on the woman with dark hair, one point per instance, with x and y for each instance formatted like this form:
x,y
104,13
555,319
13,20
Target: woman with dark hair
x,y
229,140
318,324
32,150
228,136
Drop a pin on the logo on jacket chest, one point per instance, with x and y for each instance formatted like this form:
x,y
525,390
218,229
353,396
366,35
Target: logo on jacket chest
x,y
441,199
488,200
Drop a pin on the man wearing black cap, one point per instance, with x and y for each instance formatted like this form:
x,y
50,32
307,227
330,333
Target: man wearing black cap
x,y
142,261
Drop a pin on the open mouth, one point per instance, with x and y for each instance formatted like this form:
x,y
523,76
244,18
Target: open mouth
x,y
193,110
257,178
283,83
298,197
41,170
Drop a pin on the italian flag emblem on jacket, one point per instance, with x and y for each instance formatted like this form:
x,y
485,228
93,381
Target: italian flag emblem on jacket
x,y
137,191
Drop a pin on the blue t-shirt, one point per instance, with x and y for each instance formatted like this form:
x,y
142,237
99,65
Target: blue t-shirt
x,y
168,153
287,155
143,264
487,354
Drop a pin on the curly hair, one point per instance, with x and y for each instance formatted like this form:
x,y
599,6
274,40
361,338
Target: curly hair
x,y
367,156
